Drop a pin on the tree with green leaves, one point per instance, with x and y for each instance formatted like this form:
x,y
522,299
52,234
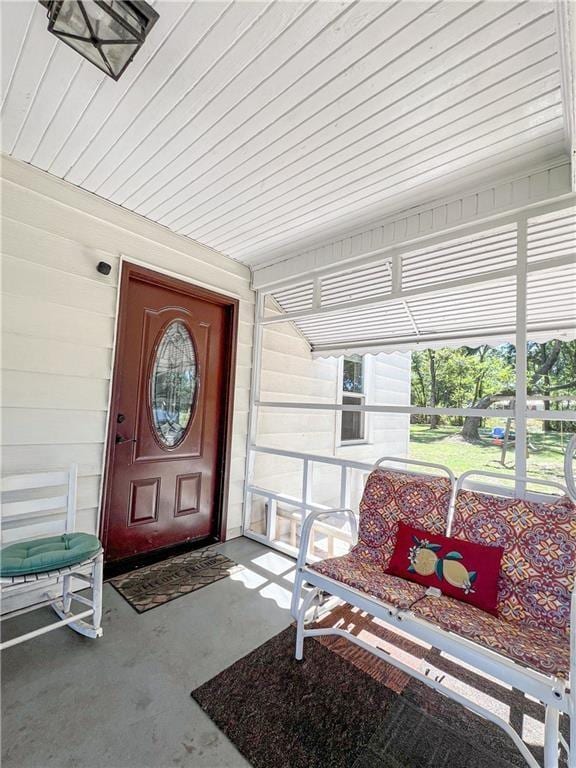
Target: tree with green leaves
x,y
481,376
551,367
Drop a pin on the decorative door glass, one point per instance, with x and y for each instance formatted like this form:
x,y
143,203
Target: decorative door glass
x,y
173,384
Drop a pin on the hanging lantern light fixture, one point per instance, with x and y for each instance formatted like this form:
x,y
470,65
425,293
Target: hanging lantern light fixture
x,y
108,33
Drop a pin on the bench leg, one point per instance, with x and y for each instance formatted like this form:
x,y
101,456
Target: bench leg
x,y
296,593
306,603
572,752
551,737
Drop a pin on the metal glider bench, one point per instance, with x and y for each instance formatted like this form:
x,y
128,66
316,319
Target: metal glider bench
x,y
530,644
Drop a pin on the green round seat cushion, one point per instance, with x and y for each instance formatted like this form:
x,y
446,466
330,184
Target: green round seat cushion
x,y
48,554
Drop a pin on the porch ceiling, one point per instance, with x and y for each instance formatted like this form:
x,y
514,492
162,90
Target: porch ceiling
x,y
246,125
462,291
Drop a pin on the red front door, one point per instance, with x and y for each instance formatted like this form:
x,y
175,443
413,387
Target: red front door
x,y
169,413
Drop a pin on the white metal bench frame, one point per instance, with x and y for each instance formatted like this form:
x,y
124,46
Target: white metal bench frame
x,y
86,622
554,693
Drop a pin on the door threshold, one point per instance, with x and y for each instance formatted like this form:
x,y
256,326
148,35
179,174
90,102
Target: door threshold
x,y
120,567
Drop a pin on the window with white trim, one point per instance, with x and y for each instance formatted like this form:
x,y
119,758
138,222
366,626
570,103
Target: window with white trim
x,y
353,423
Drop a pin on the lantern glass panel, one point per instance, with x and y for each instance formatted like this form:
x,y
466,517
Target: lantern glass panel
x,y
88,50
129,14
71,21
118,56
105,26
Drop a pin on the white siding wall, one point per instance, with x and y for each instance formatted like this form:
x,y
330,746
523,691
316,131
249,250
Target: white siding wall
x,y
58,320
290,373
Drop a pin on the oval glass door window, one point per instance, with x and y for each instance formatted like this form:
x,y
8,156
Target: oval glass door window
x,y
173,385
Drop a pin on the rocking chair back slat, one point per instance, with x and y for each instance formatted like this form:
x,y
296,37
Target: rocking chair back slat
x,y
20,516
33,506
519,489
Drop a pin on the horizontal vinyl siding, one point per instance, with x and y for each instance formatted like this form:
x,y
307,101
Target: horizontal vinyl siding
x,y
36,458
58,319
43,319
289,373
23,389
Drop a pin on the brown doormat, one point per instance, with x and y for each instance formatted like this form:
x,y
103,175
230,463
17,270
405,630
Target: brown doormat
x,y
154,585
328,712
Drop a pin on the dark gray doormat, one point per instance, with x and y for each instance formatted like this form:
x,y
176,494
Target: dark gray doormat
x,y
325,712
154,585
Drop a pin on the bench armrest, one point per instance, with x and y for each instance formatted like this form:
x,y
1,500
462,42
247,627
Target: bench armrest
x,y
303,550
309,523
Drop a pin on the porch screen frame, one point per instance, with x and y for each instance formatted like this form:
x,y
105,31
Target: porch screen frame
x,y
519,412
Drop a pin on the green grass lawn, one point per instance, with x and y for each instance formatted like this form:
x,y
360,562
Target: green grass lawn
x,y
445,446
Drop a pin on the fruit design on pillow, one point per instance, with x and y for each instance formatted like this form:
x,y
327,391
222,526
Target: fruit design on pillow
x,y
425,560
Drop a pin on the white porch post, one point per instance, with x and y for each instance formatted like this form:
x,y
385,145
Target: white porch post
x,y
521,403
255,378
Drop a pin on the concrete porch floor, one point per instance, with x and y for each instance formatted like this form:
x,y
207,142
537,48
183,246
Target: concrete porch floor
x,y
123,701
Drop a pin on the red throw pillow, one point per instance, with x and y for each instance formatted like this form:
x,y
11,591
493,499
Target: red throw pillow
x,y
458,568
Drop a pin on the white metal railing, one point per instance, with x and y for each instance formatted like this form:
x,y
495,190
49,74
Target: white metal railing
x,y
304,501
331,534
414,410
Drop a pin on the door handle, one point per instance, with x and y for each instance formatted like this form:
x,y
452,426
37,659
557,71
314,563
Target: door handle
x,y
120,439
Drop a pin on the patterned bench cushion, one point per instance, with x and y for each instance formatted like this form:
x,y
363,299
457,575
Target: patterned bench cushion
x,y
369,577
541,649
390,497
539,540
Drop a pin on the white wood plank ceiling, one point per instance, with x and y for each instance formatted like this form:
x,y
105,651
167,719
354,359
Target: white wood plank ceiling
x,y
247,125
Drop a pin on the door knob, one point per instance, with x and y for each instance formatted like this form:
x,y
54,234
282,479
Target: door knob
x,y
120,439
